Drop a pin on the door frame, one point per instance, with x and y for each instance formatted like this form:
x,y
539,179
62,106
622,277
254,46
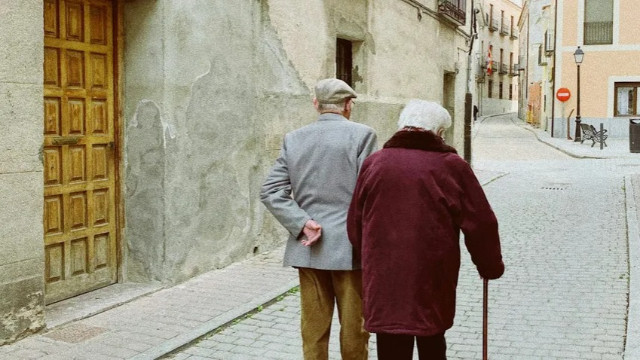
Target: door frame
x,y
118,120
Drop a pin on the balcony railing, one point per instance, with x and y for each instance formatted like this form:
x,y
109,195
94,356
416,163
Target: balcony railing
x,y
494,67
482,67
596,33
503,68
504,30
513,70
493,24
453,10
513,35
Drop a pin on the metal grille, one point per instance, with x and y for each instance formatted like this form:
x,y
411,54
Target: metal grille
x,y
598,32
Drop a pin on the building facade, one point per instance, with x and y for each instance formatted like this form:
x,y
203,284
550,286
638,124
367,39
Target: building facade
x,y
608,34
536,29
496,55
135,134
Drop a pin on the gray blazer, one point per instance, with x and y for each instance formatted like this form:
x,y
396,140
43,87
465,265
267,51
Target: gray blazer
x,y
314,178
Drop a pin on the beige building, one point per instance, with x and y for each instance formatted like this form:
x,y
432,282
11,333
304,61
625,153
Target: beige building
x,y
608,33
497,44
134,135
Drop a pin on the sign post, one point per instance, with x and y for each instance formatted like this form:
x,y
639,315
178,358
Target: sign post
x,y
563,94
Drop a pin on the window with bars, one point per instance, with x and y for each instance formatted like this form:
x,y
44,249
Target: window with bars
x,y
598,22
490,89
627,96
500,90
344,61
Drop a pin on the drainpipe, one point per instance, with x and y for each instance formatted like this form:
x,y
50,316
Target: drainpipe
x,y
553,88
468,101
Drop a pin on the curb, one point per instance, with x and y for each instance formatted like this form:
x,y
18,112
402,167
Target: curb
x,y
557,147
214,324
483,118
632,340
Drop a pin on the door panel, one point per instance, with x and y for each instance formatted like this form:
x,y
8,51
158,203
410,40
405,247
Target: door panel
x,y
78,153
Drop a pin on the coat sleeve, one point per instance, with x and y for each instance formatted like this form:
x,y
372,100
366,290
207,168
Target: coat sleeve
x,y
479,225
354,216
276,196
368,147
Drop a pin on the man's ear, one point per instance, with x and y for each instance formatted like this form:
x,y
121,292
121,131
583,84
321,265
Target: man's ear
x,y
441,132
315,103
348,105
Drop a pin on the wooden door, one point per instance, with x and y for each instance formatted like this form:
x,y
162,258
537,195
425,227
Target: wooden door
x,y
78,152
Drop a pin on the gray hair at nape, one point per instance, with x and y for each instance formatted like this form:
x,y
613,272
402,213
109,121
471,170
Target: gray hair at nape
x,y
423,114
331,107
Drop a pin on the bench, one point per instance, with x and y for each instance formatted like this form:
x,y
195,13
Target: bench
x,y
589,132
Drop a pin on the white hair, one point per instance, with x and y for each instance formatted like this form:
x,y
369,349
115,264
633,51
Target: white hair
x,y
423,114
331,107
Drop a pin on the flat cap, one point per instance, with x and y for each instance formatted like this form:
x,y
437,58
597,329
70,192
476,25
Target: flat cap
x,y
333,91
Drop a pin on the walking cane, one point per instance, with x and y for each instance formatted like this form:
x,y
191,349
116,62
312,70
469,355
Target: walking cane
x,y
485,316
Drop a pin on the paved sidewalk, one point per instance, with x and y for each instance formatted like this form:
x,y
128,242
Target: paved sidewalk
x,y
153,325
617,148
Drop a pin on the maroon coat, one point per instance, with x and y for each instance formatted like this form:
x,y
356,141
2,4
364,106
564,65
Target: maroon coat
x,y
411,200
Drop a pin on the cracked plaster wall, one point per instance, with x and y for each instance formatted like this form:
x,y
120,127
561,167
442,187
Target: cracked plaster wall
x,y
21,183
204,83
211,88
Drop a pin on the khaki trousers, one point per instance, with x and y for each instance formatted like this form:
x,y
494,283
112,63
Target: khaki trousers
x,y
319,291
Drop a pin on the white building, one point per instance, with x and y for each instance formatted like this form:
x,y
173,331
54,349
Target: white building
x,y
496,55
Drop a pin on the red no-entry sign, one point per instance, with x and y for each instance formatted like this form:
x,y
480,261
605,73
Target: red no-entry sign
x,y
563,94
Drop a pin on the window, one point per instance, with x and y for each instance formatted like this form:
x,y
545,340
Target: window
x,y
598,22
500,90
493,26
511,32
549,46
344,61
542,58
510,92
627,96
489,88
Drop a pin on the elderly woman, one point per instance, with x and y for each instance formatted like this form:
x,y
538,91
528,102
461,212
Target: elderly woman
x,y
411,200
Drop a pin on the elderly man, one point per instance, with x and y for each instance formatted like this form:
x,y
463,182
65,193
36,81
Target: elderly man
x,y
411,200
308,191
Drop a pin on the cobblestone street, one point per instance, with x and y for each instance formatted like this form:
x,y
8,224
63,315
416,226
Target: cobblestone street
x,y
570,290
565,290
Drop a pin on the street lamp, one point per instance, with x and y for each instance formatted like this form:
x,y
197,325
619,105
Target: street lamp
x,y
578,56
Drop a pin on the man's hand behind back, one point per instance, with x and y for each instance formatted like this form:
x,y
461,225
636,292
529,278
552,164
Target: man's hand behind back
x,y
312,232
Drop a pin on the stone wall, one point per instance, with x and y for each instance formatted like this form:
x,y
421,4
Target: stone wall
x,y
21,183
210,90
